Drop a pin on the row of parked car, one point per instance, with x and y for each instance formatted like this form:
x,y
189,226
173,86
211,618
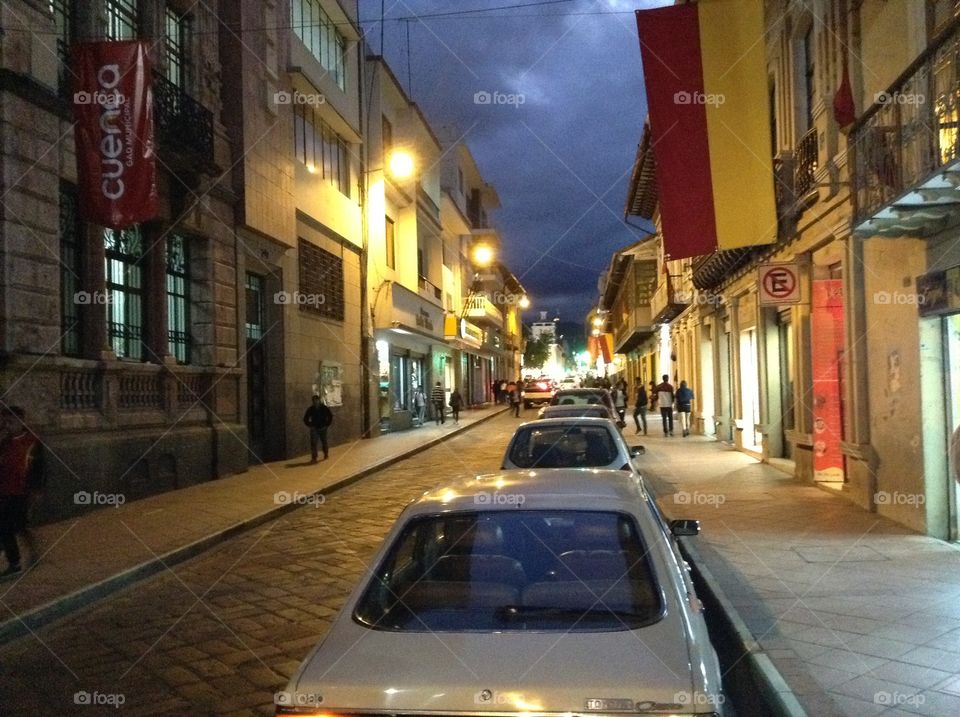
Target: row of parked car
x,y
553,586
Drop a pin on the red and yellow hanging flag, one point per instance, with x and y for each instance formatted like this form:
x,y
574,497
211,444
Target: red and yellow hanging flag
x,y
705,74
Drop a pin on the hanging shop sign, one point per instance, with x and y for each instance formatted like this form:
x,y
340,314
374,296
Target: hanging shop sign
x,y
113,109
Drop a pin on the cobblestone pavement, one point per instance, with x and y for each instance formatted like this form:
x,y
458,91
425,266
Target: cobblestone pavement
x,y
221,633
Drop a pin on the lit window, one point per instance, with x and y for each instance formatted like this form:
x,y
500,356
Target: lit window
x,y
124,282
178,299
320,34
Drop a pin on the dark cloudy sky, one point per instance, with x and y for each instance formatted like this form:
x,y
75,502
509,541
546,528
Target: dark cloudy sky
x,y
561,160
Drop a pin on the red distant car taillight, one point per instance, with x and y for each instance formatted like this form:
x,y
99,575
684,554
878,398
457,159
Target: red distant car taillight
x,y
542,386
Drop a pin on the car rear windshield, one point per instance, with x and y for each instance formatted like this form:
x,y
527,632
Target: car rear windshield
x,y
514,571
577,399
563,447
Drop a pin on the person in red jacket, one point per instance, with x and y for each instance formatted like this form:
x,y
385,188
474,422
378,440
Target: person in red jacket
x,y
20,473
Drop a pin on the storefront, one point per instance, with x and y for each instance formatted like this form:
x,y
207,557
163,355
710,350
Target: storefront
x,y
473,373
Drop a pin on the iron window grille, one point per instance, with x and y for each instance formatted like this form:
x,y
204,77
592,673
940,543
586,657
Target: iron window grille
x,y
124,283
321,282
176,48
178,298
123,19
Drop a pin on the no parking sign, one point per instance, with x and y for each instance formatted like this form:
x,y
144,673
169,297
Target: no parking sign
x,y
779,284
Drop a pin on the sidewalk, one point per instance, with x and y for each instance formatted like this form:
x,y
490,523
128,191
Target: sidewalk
x,y
859,615
85,558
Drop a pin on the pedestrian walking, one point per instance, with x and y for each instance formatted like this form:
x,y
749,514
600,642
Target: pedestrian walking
x,y
437,398
20,482
641,402
456,403
513,392
318,419
665,398
504,396
420,405
684,397
620,401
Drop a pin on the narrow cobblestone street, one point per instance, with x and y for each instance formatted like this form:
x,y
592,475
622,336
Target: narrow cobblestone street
x,y
221,633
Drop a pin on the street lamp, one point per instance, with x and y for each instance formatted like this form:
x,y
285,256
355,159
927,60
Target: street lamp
x,y
524,302
401,164
482,255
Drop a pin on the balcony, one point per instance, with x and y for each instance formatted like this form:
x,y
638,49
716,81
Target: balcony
x,y
711,270
429,290
481,310
183,125
905,164
632,332
667,304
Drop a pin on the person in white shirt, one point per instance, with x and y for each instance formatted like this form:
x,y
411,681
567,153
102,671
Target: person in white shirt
x,y
665,402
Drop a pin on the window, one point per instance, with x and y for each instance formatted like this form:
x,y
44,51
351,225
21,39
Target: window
x,y
390,238
321,149
63,20
122,19
178,299
808,75
124,280
321,282
70,228
517,570
176,48
320,34
254,301
460,181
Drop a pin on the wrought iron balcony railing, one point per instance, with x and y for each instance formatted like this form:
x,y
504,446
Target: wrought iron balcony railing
x,y
805,166
181,121
911,130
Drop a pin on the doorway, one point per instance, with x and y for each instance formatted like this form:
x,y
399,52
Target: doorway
x,y
951,343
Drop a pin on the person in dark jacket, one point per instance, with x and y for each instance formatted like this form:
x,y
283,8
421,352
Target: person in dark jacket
x,y
456,403
20,480
640,409
318,419
684,397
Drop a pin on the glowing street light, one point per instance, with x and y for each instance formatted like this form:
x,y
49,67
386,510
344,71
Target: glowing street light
x,y
483,255
524,302
401,164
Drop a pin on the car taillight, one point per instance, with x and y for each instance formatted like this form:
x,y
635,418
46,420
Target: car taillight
x,y
542,386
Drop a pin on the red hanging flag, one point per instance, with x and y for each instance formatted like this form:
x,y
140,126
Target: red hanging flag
x,y
113,109
844,109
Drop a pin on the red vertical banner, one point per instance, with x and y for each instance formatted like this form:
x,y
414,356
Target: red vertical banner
x,y
113,110
826,317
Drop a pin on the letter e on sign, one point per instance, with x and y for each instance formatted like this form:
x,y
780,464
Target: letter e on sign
x,y
779,284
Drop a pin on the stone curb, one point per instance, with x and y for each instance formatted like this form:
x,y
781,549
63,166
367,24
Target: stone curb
x,y
20,625
776,692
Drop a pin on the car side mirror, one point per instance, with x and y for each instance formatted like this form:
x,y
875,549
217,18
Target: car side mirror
x,y
685,527
637,451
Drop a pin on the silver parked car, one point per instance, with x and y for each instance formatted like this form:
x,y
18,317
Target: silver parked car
x,y
575,411
523,592
582,442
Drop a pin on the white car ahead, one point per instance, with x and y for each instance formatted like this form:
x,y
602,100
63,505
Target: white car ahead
x,y
519,593
580,442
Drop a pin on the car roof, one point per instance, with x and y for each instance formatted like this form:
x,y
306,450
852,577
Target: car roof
x,y
584,391
543,489
569,421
